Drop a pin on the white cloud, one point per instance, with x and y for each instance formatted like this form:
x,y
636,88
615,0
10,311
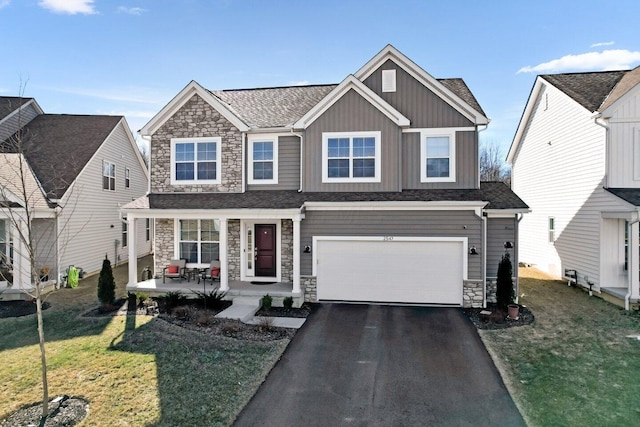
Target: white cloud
x,y
131,10
4,3
593,61
300,83
134,95
70,7
603,44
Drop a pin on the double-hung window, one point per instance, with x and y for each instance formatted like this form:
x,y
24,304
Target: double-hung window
x,y
351,157
199,240
263,159
108,176
195,160
437,156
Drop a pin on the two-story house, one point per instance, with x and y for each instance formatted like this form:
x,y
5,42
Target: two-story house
x,y
576,161
365,191
62,182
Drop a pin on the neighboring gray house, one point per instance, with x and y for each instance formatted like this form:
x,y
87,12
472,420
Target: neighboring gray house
x,y
79,170
364,191
576,161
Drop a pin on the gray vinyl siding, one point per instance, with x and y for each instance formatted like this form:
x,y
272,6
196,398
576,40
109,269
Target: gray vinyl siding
x,y
288,166
44,239
500,230
352,113
466,168
420,105
90,222
393,223
11,124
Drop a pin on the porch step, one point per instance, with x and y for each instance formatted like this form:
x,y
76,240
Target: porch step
x,y
243,309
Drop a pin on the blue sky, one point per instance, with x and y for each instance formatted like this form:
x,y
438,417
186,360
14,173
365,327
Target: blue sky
x,y
131,57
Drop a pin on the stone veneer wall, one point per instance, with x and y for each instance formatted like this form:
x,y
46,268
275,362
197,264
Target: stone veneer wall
x,y
163,244
472,294
233,248
286,250
310,288
197,119
492,288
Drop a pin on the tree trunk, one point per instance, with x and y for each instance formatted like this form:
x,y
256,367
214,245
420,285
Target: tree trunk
x,y
43,355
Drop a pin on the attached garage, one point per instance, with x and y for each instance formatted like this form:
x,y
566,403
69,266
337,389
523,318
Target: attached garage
x,y
419,270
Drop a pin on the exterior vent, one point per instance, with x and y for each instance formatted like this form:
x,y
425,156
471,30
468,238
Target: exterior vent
x,y
388,80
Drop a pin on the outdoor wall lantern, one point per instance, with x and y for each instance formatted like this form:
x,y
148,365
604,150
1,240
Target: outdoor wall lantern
x,y
508,245
473,251
307,249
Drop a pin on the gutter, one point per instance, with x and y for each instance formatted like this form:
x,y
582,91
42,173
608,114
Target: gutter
x,y
243,141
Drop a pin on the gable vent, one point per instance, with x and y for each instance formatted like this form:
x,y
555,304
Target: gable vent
x,y
388,80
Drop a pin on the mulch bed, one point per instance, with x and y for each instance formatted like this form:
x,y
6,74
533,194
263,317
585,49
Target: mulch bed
x,y
498,318
301,312
19,308
64,411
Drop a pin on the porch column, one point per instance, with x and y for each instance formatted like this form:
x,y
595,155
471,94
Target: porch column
x,y
133,259
634,261
296,255
21,261
224,267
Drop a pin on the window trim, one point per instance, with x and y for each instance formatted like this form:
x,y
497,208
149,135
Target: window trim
x,y
112,179
125,233
147,227
127,178
262,138
551,226
195,181
377,135
431,133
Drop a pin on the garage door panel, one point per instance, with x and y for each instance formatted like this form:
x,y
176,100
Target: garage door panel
x,y
390,271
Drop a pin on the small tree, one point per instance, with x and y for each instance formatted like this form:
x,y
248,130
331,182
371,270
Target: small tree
x,y
106,284
505,293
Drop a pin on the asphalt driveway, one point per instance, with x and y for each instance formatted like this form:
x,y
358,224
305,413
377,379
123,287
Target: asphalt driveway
x,y
368,365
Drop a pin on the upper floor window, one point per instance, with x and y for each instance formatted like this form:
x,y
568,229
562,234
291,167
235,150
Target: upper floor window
x,y
437,156
127,180
195,160
351,157
108,176
263,159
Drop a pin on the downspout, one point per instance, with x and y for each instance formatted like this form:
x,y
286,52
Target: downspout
x,y
243,140
516,251
58,259
484,260
596,118
627,297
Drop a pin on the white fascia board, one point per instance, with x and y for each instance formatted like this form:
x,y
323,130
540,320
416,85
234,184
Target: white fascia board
x,y
505,213
215,213
448,129
181,98
393,206
631,215
524,120
339,91
417,72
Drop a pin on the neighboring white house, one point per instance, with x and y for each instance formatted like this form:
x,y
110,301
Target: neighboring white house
x,y
79,170
576,161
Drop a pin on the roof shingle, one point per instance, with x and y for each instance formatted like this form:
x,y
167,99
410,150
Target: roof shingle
x,y
588,89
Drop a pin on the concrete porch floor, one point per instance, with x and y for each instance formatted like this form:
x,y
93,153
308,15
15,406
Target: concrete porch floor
x,y
617,295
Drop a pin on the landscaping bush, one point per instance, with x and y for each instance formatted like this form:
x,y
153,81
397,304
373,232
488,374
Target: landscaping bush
x,y
505,294
267,302
287,303
106,284
171,300
214,300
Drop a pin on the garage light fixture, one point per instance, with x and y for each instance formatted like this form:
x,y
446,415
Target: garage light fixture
x,y
508,245
473,251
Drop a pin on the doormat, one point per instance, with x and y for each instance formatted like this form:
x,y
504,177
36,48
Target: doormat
x,y
263,283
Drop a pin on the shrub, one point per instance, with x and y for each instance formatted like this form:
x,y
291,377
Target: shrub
x,y
171,300
505,294
106,284
267,302
183,312
266,323
214,300
204,318
142,297
287,302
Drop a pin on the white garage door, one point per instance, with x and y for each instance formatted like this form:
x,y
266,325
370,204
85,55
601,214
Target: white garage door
x,y
377,270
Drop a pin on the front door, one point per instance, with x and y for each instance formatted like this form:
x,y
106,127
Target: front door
x,y
265,235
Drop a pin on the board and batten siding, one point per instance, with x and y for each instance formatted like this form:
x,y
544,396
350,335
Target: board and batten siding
x,y
499,231
288,166
559,171
466,162
12,123
416,102
623,170
352,113
90,222
437,223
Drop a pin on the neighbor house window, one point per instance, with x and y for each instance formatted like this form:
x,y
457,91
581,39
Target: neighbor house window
x,y
199,240
4,239
195,160
147,229
351,157
263,159
127,181
552,229
437,156
108,176
125,234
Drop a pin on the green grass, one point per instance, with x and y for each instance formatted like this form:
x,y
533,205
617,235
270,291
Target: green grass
x,y
135,371
574,365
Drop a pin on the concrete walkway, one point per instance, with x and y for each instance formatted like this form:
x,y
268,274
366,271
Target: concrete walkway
x,y
245,308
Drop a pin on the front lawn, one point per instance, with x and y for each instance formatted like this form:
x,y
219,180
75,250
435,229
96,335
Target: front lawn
x,y
574,365
133,370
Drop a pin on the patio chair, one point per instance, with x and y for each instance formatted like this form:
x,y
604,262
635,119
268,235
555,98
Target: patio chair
x,y
177,269
212,273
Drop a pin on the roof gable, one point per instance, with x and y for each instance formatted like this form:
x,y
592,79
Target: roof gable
x,y
588,89
627,85
10,105
351,83
443,90
193,88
